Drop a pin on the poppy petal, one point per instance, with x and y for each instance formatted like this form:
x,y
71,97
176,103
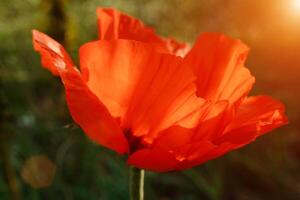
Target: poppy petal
x,y
175,150
218,116
209,153
211,124
197,151
173,138
92,116
218,63
189,155
148,90
255,116
158,160
182,144
84,106
54,57
113,24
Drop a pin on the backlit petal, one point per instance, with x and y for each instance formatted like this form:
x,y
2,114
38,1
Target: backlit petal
x,y
210,124
256,116
157,160
218,63
213,138
85,107
54,57
210,152
113,24
92,115
149,91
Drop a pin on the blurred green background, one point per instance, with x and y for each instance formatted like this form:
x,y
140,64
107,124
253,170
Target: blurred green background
x,y
43,155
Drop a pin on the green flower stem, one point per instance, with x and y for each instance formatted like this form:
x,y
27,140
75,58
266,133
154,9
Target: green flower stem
x,y
136,183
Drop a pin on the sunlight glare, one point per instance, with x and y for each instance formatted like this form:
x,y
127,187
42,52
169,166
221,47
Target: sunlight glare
x,y
296,5
293,10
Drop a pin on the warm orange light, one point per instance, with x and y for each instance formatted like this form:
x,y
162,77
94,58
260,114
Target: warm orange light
x,y
292,10
296,5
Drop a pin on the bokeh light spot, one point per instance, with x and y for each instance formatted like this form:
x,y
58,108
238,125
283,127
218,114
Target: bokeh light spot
x,y
38,171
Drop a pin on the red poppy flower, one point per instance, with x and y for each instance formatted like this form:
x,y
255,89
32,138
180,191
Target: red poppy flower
x,y
135,95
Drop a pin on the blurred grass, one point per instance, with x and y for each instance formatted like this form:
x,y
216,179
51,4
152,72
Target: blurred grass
x,y
35,120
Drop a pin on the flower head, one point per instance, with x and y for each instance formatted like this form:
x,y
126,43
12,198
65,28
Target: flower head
x,y
166,105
